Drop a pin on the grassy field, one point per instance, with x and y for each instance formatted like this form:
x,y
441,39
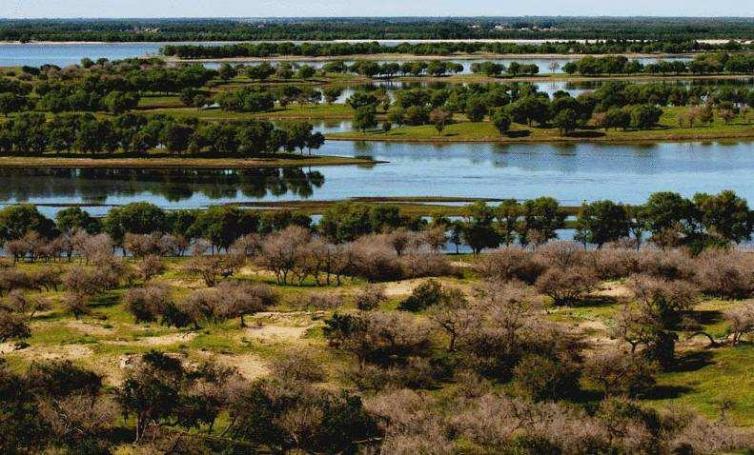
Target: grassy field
x,y
464,131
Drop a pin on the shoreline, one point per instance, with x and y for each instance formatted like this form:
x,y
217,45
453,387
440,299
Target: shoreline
x,y
178,162
408,57
679,138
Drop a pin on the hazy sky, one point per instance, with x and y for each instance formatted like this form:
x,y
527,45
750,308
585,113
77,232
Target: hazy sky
x,y
266,8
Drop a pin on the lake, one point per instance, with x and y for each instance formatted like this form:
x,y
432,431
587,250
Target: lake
x,y
64,54
570,173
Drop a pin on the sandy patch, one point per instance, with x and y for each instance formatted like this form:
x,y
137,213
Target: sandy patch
x,y
60,352
248,365
615,290
7,347
88,328
404,287
275,332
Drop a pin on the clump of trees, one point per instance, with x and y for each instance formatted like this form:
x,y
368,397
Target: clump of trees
x,y
31,133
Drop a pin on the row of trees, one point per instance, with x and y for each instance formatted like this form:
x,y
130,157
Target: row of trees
x,y
191,51
33,133
667,219
702,64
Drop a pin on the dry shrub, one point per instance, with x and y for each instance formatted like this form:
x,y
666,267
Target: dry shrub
x,y
323,301
561,253
727,274
662,300
147,303
92,247
622,374
508,264
424,262
282,251
298,365
20,303
375,260
673,264
370,297
741,320
12,278
567,286
409,423
612,263
13,327
500,423
149,267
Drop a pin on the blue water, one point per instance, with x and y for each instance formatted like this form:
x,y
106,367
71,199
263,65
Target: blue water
x,y
570,173
64,54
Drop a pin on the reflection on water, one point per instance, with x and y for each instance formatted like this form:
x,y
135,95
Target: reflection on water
x,y
168,187
571,173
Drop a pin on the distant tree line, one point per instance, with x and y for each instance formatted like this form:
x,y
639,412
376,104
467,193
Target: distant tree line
x,y
195,51
190,29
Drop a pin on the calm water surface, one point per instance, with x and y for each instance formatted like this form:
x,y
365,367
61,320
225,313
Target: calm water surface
x,y
572,174
63,54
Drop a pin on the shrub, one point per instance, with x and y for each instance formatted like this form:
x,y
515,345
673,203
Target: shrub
x,y
662,300
425,295
298,365
13,327
149,267
147,303
508,264
542,378
561,254
568,286
618,373
725,274
370,297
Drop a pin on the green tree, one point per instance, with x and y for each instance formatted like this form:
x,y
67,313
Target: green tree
x,y
724,216
134,218
502,121
365,117
71,219
542,218
601,222
18,220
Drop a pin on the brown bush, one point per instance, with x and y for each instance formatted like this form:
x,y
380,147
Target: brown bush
x,y
566,286
619,373
13,327
668,264
561,254
323,301
12,278
239,298
20,303
282,251
726,274
147,303
662,300
424,262
370,297
508,264
149,267
610,263
741,320
298,365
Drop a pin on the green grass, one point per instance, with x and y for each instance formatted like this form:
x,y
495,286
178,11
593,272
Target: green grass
x,y
465,131
713,378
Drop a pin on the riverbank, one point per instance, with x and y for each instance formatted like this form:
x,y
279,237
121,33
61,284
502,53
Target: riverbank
x,y
182,163
404,57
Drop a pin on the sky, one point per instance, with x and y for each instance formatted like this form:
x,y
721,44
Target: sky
x,y
299,8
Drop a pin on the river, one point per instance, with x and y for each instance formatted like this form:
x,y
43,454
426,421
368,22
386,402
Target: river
x,y
570,173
